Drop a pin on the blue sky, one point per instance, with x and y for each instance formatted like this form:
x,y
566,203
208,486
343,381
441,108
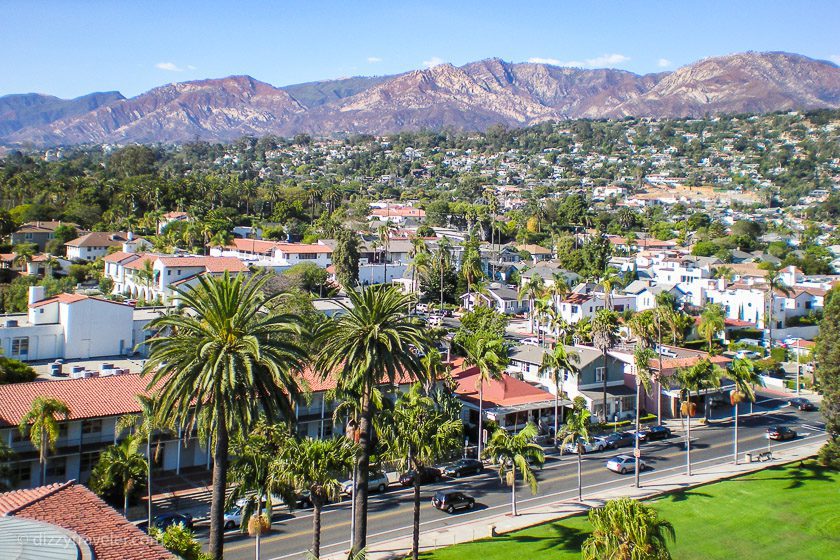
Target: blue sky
x,y
72,47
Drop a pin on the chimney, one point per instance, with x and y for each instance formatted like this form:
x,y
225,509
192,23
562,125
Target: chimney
x,y
131,236
36,294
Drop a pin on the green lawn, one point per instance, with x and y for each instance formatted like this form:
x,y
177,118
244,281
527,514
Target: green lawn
x,y
778,513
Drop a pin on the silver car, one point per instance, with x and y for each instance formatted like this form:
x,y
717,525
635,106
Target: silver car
x,y
377,482
624,464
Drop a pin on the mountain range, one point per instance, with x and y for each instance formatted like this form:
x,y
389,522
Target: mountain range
x,y
470,97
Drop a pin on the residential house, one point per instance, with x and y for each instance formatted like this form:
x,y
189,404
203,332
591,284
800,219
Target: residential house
x,y
38,233
586,299
646,292
171,217
276,255
95,244
502,298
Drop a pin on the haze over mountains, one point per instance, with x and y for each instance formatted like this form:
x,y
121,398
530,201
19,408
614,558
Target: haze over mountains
x,y
470,97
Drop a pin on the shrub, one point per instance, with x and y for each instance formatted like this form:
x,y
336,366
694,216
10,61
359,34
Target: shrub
x,y
829,455
179,540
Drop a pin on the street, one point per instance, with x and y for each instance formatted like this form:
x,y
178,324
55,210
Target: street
x,y
390,513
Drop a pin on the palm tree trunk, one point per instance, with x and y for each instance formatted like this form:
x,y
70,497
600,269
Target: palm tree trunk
x,y
149,477
556,409
480,415
659,376
688,438
605,385
637,454
415,535
259,527
513,490
580,475
735,446
360,492
125,502
220,467
43,452
316,526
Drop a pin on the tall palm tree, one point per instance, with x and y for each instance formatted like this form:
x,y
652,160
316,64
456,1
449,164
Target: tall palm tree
x,y
745,376
42,424
516,451
532,290
493,207
641,363
316,466
417,434
542,311
701,376
143,427
122,466
489,355
471,264
559,288
576,430
583,330
627,529
604,336
663,311
419,255
772,278
221,364
559,363
7,477
367,346
712,322
608,281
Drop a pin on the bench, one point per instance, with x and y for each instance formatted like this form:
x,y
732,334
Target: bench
x,y
759,456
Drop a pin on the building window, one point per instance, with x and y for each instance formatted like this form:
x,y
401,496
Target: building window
x,y
307,256
62,430
599,375
57,467
87,461
92,426
20,346
20,473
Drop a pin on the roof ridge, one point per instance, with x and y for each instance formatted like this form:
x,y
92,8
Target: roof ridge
x,y
56,487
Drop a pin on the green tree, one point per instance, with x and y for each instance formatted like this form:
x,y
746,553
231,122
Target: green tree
x,y
122,467
417,434
827,355
516,452
471,264
180,541
7,478
222,364
627,529
745,376
489,354
15,371
712,321
559,363
576,430
42,424
316,466
365,347
775,285
701,376
532,290
345,258
604,337
642,356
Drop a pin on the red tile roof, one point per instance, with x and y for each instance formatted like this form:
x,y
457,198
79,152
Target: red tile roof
x,y
118,256
211,264
259,246
507,392
60,298
405,211
93,397
303,248
77,509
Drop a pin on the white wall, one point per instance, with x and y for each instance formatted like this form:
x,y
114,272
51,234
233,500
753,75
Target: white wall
x,y
96,328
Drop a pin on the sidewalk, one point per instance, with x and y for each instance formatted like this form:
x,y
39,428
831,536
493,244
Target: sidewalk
x,y
500,524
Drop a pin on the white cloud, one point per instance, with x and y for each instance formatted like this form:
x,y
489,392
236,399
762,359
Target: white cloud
x,y
540,60
605,60
373,59
663,63
169,67
432,62
835,58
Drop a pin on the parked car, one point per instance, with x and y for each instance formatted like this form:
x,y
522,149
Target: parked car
x,y
426,475
165,520
233,517
422,307
532,341
654,432
780,433
624,464
377,482
451,500
748,354
802,404
616,440
463,467
588,446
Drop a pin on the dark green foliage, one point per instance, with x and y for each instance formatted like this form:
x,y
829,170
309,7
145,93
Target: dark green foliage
x,y
15,371
828,365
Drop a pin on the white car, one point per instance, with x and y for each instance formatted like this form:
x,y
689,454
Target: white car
x,y
588,446
377,482
530,341
233,518
748,354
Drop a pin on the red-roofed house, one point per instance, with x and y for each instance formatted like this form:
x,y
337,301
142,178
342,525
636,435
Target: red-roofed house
x,y
69,521
397,213
276,255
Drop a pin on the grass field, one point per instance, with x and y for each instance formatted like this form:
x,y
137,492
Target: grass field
x,y
779,513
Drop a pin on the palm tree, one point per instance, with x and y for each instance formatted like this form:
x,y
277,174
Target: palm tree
x,y
316,466
626,529
369,345
576,430
516,451
7,477
559,363
608,281
774,283
42,424
542,310
143,427
745,376
641,363
222,364
559,287
700,376
417,434
532,290
604,336
489,355
712,322
662,313
583,330
419,255
121,465
221,239
471,264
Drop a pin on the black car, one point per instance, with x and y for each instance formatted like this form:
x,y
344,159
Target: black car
x,y
802,404
165,520
617,439
654,432
426,475
464,467
780,433
449,501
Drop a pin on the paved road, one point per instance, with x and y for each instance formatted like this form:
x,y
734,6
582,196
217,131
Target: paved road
x,y
390,513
